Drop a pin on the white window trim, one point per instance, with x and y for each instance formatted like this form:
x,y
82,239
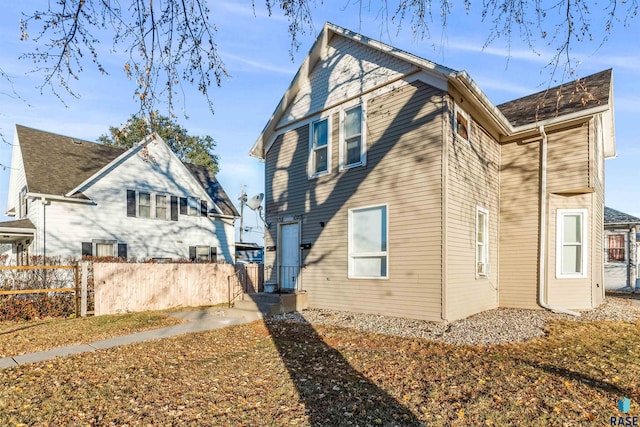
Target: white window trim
x,y
350,244
151,197
484,211
96,242
363,141
310,161
457,109
560,232
208,252
196,205
154,203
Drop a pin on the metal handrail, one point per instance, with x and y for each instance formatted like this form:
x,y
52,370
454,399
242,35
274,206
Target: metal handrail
x,y
237,290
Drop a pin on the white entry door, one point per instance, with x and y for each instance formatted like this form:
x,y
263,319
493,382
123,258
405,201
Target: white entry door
x,y
289,256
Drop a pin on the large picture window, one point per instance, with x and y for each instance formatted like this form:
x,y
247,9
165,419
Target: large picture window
x,y
368,251
571,247
482,241
319,152
352,151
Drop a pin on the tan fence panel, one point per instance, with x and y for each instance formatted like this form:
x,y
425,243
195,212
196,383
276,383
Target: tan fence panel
x,y
121,287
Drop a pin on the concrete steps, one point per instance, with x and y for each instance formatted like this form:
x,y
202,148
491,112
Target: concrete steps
x,y
265,305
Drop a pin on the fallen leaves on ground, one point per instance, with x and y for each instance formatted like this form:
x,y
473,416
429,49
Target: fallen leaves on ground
x,y
38,335
285,373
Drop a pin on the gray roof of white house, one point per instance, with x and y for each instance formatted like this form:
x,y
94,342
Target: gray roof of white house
x,y
55,164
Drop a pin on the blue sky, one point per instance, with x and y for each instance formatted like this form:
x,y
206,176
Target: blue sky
x,y
255,49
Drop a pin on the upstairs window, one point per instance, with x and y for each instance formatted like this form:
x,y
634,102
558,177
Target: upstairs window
x,y
461,123
352,145
571,250
319,148
161,206
194,206
144,205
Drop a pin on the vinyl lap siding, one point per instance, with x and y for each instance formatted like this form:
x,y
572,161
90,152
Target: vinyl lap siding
x,y
472,181
597,225
348,69
568,159
404,132
519,212
569,169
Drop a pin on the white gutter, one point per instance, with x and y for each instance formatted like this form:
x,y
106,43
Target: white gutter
x,y
221,216
542,283
561,119
18,232
60,198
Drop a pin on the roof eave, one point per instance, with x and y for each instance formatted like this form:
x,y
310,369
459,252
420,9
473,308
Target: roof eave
x,y
315,54
519,131
57,197
461,79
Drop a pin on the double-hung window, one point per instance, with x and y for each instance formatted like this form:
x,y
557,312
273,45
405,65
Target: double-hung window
x,y
161,206
144,205
368,251
482,241
194,206
571,246
105,249
319,150
352,149
203,253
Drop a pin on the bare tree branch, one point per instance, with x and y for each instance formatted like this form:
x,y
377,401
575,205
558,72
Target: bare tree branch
x,y
170,43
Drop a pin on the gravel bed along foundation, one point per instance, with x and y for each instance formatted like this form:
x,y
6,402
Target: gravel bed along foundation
x,y
489,327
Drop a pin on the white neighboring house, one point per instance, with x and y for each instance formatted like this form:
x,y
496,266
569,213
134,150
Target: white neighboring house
x,y
72,197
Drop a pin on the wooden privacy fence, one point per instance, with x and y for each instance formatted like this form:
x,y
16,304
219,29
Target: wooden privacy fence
x,y
40,279
125,287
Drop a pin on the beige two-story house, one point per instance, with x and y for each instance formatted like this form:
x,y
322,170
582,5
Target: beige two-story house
x,y
395,186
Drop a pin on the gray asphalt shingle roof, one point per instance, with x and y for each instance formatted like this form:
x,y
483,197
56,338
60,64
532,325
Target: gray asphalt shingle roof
x,y
612,216
571,97
208,180
56,164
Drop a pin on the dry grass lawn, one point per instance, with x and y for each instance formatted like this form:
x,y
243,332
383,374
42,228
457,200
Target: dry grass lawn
x,y
294,374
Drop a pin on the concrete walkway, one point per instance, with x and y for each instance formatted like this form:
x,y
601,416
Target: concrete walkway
x,y
198,321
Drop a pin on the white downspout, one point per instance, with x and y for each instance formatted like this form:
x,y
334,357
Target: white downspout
x,y
542,297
